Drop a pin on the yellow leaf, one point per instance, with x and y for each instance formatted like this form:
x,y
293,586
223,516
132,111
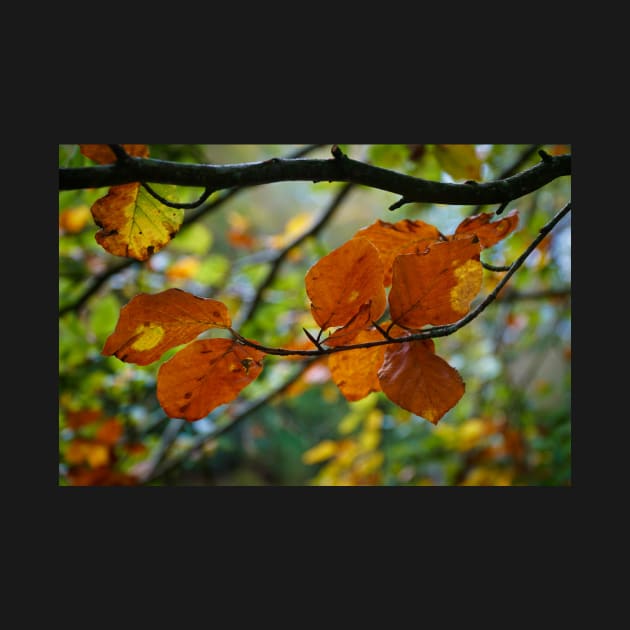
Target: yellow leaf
x,y
322,451
133,223
460,161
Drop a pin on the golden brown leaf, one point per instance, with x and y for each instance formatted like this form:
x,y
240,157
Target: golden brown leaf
x,y
393,239
102,154
489,232
205,374
416,379
133,223
80,418
88,451
109,432
435,287
149,325
73,220
339,284
344,335
355,372
101,476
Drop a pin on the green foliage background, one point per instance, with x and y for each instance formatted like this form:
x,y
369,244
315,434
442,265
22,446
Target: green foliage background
x,y
512,427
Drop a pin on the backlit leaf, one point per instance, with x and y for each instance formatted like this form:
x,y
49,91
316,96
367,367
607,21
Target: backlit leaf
x,y
460,161
393,239
133,223
82,451
151,324
489,232
73,220
109,432
339,284
435,287
355,372
205,374
320,452
77,419
102,154
416,379
343,336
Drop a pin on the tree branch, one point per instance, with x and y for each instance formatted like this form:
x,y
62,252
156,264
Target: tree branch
x,y
99,280
436,331
219,177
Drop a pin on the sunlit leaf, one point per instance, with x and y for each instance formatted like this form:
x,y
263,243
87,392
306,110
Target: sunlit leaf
x,y
344,335
393,239
416,379
355,372
133,223
205,374
101,476
489,232
109,432
435,287
460,161
320,452
80,418
102,154
296,226
340,283
73,220
82,451
183,268
151,324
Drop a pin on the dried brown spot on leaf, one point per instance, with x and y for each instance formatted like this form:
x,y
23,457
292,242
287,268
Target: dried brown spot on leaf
x,y
205,374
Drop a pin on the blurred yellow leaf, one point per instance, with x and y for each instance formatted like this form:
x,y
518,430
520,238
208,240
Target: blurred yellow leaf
x,y
73,220
460,161
295,227
322,451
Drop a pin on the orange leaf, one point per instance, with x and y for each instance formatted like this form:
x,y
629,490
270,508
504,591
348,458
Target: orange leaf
x,y
340,283
109,432
392,239
73,220
355,372
435,287
149,325
489,233
205,374
101,476
417,380
76,419
343,336
133,223
102,154
87,451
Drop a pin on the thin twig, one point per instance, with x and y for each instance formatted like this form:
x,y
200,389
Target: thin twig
x,y
277,261
436,331
99,280
174,204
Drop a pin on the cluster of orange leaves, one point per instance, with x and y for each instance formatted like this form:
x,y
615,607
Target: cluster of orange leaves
x,y
92,452
424,277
